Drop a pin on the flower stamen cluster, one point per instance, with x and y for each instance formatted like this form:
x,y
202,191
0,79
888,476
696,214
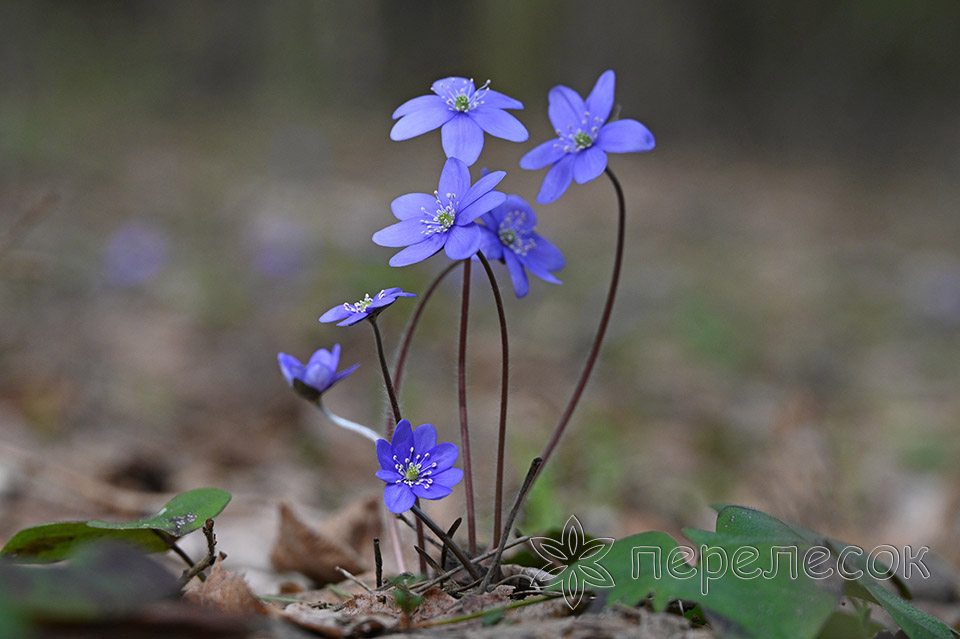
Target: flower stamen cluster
x,y
445,216
463,98
516,234
412,471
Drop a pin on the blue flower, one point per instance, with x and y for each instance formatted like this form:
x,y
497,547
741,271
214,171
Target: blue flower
x,y
414,465
584,138
362,309
442,220
310,380
463,112
510,235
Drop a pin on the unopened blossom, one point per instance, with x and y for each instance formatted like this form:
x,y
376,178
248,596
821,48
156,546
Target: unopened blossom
x,y
584,137
312,379
463,112
444,220
414,465
509,234
350,313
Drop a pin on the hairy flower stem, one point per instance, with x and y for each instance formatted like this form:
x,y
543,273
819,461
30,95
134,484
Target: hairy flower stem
x,y
462,401
391,391
447,541
342,422
504,387
601,329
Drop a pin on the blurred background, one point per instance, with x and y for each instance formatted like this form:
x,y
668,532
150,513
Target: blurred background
x,y
185,187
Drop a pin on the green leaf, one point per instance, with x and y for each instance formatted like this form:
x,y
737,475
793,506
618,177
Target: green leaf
x,y
776,606
54,542
916,623
182,515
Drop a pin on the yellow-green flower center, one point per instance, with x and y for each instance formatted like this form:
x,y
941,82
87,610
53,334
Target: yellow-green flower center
x,y
461,102
412,473
582,140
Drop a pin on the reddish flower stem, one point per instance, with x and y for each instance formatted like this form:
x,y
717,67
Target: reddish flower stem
x,y
601,329
504,387
462,402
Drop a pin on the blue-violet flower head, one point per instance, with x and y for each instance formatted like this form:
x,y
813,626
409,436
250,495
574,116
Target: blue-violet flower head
x,y
414,465
348,313
312,379
442,220
584,137
510,235
463,112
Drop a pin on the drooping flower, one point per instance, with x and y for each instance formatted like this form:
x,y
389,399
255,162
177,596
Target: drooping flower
x,y
463,112
414,465
510,235
584,137
348,313
312,379
442,220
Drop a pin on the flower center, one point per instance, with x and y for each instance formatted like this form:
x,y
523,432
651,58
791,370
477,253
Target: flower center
x,y
462,97
362,305
414,470
444,217
578,138
515,234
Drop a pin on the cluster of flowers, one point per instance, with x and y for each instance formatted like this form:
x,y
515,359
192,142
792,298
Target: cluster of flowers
x,y
463,218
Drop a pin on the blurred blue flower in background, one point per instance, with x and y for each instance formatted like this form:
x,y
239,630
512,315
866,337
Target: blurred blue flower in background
x,y
135,253
312,379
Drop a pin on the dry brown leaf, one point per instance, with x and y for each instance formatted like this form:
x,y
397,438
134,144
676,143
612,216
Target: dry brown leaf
x,y
311,552
357,524
337,624
226,591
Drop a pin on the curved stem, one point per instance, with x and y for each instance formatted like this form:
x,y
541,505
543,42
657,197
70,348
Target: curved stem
x,y
601,329
342,422
462,401
504,387
386,374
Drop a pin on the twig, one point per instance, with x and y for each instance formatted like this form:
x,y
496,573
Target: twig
x,y
524,488
452,545
378,562
488,611
486,555
451,531
351,577
196,570
425,556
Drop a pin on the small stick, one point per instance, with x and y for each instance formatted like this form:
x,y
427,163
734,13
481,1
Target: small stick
x,y
429,584
524,488
351,577
378,562
450,532
425,556
454,548
196,570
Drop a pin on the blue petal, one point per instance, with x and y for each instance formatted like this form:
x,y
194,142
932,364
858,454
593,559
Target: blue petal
x,y
385,454
413,205
436,491
517,275
600,100
354,318
449,477
336,314
290,366
319,377
424,438
479,206
390,476
454,178
462,138
566,109
490,244
483,186
405,233
543,155
588,164
421,121
462,242
399,498
452,85
444,456
496,100
557,180
417,104
323,357
546,256
402,439
625,136
344,372
419,251
499,124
